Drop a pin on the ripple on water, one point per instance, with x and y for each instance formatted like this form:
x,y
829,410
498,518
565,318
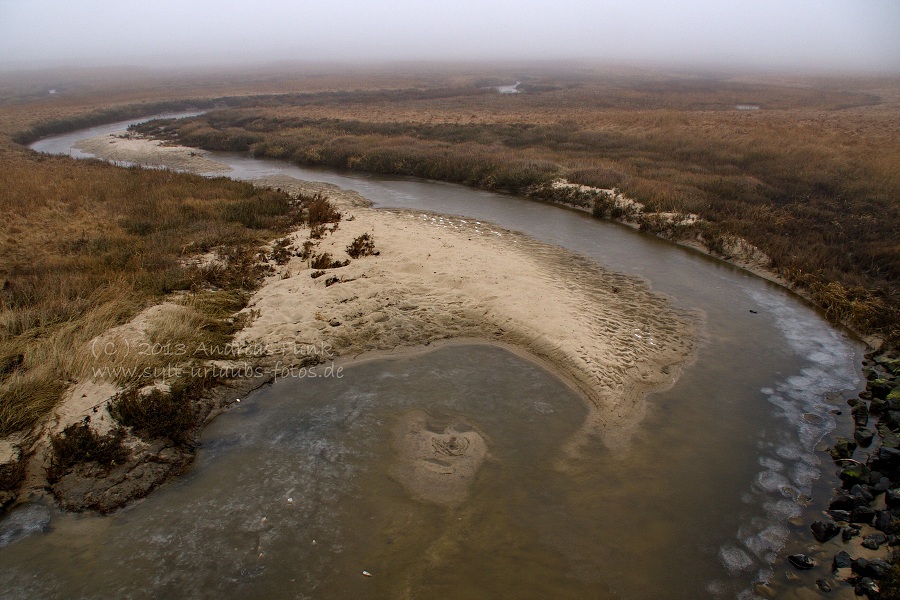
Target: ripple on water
x,y
735,559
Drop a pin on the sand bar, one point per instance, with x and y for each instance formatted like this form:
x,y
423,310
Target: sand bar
x,y
440,278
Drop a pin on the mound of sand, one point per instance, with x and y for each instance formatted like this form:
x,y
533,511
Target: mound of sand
x,y
436,465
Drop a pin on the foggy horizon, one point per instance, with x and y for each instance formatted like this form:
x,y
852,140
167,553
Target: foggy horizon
x,y
825,36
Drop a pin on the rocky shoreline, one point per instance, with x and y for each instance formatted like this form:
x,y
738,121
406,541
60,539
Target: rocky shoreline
x,y
865,509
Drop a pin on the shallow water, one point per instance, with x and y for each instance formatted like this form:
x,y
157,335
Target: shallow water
x,y
705,494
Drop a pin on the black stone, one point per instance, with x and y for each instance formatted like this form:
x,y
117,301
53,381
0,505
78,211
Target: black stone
x,y
883,519
863,437
870,568
892,498
880,388
842,560
885,459
842,501
861,494
838,515
824,531
848,533
866,587
860,414
843,448
823,585
882,486
854,473
801,561
862,514
874,541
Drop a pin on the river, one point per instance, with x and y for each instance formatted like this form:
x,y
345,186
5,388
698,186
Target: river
x,y
719,483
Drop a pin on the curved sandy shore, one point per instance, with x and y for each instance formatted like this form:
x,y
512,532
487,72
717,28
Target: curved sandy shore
x,y
440,277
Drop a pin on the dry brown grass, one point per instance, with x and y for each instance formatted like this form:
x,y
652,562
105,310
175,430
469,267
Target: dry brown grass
x,y
810,178
85,246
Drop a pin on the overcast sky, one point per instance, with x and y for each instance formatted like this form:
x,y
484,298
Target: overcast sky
x,y
820,35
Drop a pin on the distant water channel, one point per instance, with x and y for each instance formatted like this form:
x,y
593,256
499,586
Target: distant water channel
x,y
721,480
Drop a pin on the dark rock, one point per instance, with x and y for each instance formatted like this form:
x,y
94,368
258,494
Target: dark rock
x,y
866,587
878,406
880,388
843,500
801,561
862,494
848,533
893,540
843,448
823,585
842,560
870,568
824,531
862,514
883,485
853,401
883,519
892,498
879,568
892,419
860,414
890,439
871,373
874,541
838,515
885,459
865,395
853,474
874,477
893,398
863,437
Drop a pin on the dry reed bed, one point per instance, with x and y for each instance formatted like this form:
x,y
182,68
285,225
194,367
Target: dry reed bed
x,y
810,178
85,246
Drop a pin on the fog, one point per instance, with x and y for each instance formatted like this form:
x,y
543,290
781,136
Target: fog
x,y
811,35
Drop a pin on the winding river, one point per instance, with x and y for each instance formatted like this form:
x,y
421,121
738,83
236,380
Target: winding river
x,y
291,494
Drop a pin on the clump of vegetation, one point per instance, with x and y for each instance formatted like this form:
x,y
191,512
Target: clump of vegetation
x,y
282,250
79,443
320,211
325,261
171,415
362,245
306,250
316,274
12,474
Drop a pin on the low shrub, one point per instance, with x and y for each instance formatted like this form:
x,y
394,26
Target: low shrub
x,y
325,261
320,211
363,245
159,414
79,443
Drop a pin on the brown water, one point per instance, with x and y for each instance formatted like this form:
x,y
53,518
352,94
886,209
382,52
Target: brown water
x,y
699,504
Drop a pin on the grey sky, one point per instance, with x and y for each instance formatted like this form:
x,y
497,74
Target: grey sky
x,y
821,35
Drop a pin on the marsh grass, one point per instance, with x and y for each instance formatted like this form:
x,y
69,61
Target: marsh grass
x,y
810,178
85,246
